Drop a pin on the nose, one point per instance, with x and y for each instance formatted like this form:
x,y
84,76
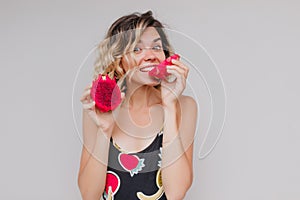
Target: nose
x,y
149,54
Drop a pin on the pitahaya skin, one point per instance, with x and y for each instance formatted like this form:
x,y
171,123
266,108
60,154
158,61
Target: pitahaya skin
x,y
106,93
161,70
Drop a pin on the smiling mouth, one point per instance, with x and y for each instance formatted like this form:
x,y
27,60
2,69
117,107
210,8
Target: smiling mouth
x,y
147,68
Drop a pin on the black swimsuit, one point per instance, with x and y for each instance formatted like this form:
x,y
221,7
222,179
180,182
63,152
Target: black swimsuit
x,y
135,176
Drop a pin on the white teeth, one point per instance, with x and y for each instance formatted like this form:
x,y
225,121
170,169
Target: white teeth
x,y
146,69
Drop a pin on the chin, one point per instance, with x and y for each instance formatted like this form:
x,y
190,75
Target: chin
x,y
145,79
151,82
154,83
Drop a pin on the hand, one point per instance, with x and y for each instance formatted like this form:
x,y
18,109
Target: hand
x,y
171,91
103,120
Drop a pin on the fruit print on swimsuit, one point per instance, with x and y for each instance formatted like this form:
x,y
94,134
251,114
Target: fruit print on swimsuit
x,y
159,162
159,193
131,163
112,185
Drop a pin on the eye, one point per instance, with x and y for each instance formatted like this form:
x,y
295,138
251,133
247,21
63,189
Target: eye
x,y
137,50
157,48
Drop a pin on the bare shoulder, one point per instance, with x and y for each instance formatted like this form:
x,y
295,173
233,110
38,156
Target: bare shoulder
x,y
187,102
188,110
188,119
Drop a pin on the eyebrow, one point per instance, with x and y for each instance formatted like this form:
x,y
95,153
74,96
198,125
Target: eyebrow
x,y
155,40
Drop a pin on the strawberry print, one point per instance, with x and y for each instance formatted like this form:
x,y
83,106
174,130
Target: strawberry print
x,y
131,163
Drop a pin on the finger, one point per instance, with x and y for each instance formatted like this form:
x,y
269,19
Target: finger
x,y
122,95
89,106
172,68
89,86
181,65
86,95
180,78
180,70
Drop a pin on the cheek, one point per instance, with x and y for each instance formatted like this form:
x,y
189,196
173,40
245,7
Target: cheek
x,y
161,57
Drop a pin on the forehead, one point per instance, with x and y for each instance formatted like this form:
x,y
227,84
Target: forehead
x,y
150,34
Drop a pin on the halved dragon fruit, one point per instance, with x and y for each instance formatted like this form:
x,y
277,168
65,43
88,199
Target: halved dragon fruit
x,y
161,71
106,93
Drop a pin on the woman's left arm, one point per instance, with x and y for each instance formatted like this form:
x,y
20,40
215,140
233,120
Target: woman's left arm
x,y
180,115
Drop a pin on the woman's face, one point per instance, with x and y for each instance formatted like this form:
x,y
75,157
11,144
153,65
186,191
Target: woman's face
x,y
147,54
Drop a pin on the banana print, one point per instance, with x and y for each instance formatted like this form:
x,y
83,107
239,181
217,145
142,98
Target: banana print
x,y
155,196
159,192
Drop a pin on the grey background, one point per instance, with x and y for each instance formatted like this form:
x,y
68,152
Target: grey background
x,y
254,43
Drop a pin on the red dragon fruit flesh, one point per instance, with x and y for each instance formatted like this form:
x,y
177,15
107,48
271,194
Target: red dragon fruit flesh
x,y
160,71
106,93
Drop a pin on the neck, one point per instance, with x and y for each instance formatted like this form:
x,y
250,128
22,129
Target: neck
x,y
139,97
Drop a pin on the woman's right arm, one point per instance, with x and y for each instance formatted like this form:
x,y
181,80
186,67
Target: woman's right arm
x,y
93,163
94,157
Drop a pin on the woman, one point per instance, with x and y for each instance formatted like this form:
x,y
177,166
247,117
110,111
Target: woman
x,y
144,148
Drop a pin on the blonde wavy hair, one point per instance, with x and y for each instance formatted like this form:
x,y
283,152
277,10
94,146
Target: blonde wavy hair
x,y
121,38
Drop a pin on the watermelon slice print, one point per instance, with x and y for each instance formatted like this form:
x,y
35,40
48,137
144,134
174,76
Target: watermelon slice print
x,y
131,163
112,185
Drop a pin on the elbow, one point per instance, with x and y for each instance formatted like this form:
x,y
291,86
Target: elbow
x,y
175,195
89,196
88,193
179,193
